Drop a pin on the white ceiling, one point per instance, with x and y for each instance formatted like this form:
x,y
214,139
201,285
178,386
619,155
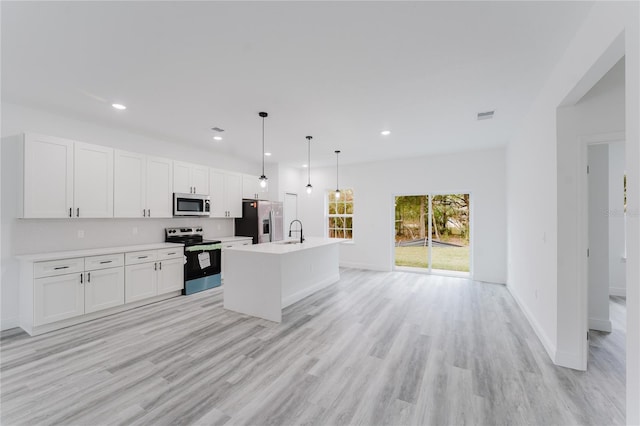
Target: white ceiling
x,y
338,71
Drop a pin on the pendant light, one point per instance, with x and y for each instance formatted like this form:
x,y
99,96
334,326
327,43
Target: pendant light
x,y
337,186
263,178
309,187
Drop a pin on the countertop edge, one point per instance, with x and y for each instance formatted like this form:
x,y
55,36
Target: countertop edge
x,y
38,257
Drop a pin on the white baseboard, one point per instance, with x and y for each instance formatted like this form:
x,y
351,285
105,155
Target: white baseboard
x,y
8,323
618,291
600,325
367,266
546,343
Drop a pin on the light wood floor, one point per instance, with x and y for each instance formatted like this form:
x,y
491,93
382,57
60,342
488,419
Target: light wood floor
x,y
375,348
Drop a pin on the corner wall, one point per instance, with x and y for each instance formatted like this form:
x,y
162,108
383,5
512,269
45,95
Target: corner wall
x,y
532,191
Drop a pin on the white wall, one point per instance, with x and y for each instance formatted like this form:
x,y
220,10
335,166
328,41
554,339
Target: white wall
x,y
375,185
617,278
21,236
533,185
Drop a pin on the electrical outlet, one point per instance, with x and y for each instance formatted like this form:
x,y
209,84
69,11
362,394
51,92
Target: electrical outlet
x,y
134,231
80,233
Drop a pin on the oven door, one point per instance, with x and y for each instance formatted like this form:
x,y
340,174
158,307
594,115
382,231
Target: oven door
x,y
190,205
202,260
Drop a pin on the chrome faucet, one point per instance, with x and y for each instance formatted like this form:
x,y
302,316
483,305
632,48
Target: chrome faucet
x,y
291,224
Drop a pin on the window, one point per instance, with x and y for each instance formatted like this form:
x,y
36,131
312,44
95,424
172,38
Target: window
x,y
340,214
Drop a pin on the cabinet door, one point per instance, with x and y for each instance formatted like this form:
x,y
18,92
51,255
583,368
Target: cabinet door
x,y
170,275
182,178
233,194
159,187
129,185
104,288
57,298
200,179
140,281
92,180
217,193
250,187
48,176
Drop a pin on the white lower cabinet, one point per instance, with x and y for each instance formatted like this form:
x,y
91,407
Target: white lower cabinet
x,y
170,275
141,281
57,298
103,289
59,293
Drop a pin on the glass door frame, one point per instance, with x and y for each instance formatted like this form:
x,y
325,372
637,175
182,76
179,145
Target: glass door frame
x,y
429,270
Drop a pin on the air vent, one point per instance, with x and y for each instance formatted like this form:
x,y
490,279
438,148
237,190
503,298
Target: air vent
x,y
485,115
217,129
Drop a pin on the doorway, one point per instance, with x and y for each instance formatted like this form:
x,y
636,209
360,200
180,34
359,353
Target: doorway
x,y
432,233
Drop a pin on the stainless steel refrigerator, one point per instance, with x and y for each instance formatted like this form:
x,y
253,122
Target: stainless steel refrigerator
x,y
261,220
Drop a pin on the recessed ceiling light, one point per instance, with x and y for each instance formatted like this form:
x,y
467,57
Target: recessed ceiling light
x,y
267,154
119,106
305,165
385,132
217,138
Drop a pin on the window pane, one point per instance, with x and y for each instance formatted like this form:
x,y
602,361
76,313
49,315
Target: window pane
x,y
332,222
332,208
332,196
349,208
339,234
339,222
332,233
348,233
348,222
348,194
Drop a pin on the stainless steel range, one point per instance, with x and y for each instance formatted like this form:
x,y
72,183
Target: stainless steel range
x,y
202,258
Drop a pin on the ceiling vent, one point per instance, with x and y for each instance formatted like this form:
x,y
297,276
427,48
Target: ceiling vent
x,y
217,129
485,115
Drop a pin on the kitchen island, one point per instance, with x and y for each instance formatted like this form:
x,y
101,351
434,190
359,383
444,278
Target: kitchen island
x,y
262,279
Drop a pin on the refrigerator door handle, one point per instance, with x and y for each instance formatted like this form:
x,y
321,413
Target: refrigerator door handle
x,y
270,225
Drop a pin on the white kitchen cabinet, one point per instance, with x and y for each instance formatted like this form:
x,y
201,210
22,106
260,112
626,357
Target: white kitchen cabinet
x,y
252,190
143,186
141,281
226,193
103,288
159,187
64,178
190,178
170,275
93,180
130,184
48,177
57,298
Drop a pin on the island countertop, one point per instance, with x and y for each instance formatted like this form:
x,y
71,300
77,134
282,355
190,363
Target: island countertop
x,y
285,246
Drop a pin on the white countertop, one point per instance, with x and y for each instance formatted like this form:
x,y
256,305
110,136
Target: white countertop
x,y
280,248
228,239
39,257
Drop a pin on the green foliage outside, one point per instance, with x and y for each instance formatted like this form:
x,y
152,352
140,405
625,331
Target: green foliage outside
x,y
447,258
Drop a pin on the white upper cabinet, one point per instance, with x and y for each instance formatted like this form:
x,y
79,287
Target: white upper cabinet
x,y
252,190
159,187
63,178
130,185
226,193
48,177
143,186
190,178
93,180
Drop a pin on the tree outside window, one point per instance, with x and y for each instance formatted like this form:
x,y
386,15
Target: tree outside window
x,y
340,214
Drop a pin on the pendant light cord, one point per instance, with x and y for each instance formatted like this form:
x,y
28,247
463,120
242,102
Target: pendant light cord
x,y
263,146
337,180
308,160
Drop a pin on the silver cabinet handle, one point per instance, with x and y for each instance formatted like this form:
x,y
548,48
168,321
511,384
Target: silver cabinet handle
x,y
60,267
155,266
88,277
81,278
169,254
149,212
161,266
70,215
144,212
78,212
142,257
106,261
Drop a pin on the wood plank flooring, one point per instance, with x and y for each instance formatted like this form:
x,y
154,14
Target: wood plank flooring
x,y
375,348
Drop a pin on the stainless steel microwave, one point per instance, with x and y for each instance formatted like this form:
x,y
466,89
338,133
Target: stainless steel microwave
x,y
191,204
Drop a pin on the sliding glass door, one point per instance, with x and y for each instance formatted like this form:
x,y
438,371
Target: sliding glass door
x,y
432,232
